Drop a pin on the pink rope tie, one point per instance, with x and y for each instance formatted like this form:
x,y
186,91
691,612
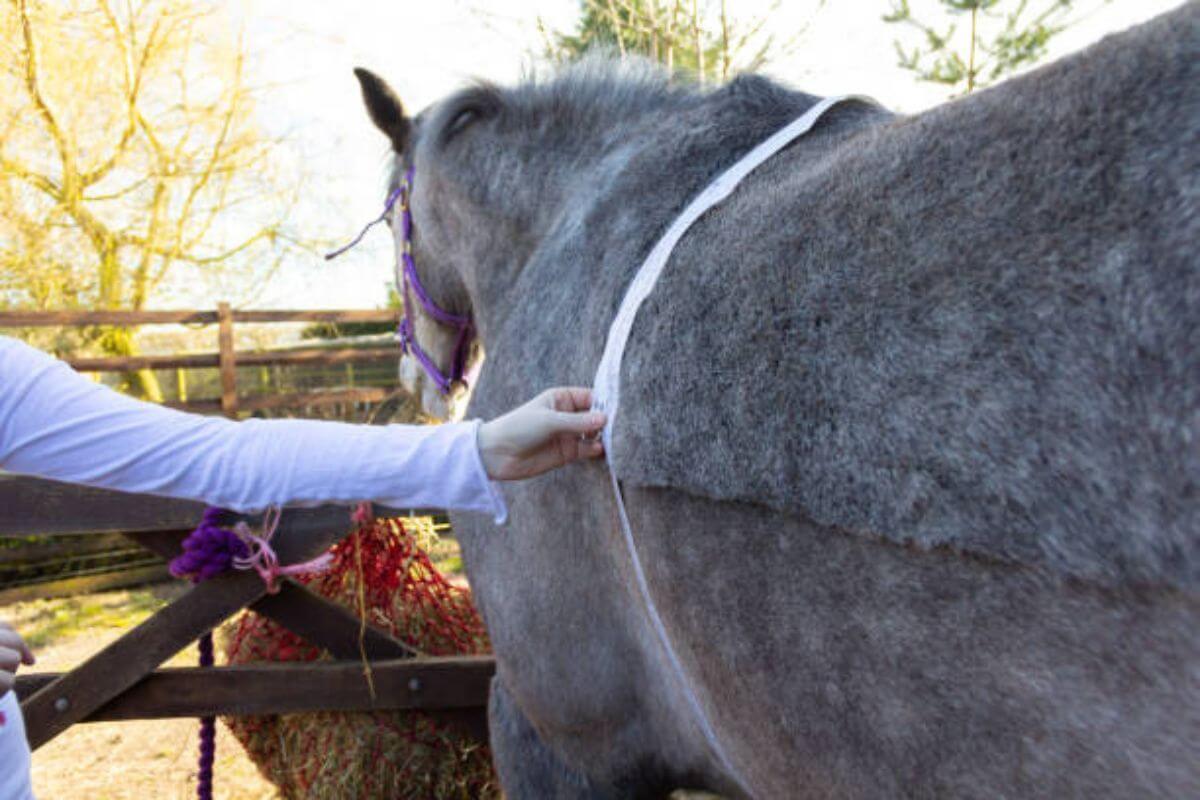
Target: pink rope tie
x,y
262,558
363,514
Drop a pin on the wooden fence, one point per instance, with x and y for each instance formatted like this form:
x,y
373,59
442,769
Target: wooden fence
x,y
80,564
122,681
72,565
225,358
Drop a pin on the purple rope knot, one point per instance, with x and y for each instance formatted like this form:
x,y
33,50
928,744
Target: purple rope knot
x,y
209,550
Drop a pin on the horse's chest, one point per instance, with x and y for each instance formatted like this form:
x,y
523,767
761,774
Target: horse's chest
x,y
554,600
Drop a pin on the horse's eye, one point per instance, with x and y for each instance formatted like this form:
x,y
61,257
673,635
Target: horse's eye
x,y
460,121
466,109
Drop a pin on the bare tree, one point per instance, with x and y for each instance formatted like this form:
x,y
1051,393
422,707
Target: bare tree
x,y
132,159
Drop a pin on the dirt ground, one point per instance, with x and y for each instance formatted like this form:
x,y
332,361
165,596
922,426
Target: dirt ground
x,y
121,760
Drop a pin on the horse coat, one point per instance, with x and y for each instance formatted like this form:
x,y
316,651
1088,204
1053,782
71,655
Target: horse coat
x,y
908,432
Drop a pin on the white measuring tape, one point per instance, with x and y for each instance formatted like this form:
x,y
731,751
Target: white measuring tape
x,y
606,391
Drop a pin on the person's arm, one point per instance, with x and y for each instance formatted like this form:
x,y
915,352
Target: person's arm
x,y
57,424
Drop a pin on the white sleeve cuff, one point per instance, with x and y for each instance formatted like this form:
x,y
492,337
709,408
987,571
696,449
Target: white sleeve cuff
x,y
499,508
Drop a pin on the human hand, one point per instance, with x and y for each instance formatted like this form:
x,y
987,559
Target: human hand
x,y
553,429
13,653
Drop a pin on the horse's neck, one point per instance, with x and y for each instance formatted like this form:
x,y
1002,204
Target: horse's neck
x,y
591,238
616,207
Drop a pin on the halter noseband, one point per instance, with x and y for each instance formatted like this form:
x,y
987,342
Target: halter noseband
x,y
406,280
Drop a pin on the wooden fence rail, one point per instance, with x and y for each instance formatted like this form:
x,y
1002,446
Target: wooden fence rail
x,y
400,684
226,359
53,319
121,681
373,351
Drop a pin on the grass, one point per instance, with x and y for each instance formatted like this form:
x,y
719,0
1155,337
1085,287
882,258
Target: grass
x,y
44,623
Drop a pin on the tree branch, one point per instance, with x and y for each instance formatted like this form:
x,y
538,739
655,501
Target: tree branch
x,y
132,84
34,179
39,101
198,260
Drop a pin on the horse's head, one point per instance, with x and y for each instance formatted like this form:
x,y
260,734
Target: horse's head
x,y
455,216
493,172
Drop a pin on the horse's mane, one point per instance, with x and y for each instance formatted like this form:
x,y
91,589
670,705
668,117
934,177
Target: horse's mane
x,y
600,87
597,92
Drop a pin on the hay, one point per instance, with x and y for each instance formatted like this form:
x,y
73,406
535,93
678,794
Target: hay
x,y
381,569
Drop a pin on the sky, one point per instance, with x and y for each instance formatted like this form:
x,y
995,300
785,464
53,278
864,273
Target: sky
x,y
428,48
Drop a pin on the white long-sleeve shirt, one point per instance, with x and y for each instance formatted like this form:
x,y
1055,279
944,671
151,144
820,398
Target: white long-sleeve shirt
x,y
54,423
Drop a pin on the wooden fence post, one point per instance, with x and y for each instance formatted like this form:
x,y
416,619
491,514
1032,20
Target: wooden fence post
x,y
228,363
226,360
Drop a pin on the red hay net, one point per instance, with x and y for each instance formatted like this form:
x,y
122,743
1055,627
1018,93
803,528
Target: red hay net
x,y
370,754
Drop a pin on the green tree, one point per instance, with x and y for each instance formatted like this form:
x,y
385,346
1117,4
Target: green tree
x,y
132,161
699,39
1003,37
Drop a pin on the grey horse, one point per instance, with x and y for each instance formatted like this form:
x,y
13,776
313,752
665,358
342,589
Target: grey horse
x,y
910,429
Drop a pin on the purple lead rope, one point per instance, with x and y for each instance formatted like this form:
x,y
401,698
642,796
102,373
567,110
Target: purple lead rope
x,y
208,732
387,209
207,552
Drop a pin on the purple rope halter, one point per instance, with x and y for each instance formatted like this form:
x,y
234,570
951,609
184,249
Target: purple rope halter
x,y
408,283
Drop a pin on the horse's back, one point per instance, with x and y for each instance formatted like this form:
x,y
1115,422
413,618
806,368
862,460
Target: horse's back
x,y
974,328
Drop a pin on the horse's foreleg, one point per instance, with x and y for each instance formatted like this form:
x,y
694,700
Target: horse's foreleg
x,y
526,766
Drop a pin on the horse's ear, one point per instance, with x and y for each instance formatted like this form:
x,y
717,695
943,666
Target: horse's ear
x,y
384,107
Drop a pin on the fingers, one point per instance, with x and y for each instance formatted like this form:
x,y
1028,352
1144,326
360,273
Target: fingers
x,y
580,423
11,642
591,448
10,659
571,398
570,448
